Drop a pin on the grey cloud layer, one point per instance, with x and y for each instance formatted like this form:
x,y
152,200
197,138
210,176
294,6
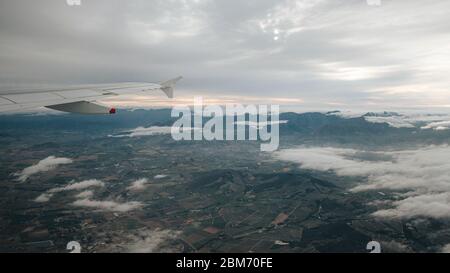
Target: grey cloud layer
x,y
321,51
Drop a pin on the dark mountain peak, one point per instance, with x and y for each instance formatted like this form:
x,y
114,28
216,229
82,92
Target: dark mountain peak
x,y
382,114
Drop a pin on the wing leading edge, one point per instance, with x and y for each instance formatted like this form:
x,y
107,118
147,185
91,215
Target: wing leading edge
x,y
78,99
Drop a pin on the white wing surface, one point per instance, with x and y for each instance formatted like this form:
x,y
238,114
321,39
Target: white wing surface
x,y
79,99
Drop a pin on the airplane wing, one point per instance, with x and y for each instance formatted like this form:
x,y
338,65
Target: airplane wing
x,y
79,99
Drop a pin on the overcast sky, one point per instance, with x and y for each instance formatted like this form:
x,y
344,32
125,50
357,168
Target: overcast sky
x,y
334,53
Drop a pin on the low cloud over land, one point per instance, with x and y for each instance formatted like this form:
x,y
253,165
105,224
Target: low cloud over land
x,y
421,176
146,131
45,165
107,205
138,185
84,198
148,241
45,197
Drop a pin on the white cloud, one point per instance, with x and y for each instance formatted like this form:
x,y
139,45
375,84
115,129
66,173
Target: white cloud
x,y
138,185
79,186
45,197
107,205
427,205
403,119
149,241
446,249
85,194
45,165
154,130
149,131
347,114
395,247
344,72
438,126
423,173
84,197
260,124
394,121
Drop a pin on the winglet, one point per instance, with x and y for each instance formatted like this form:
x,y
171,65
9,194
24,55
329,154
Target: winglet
x,y
168,86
